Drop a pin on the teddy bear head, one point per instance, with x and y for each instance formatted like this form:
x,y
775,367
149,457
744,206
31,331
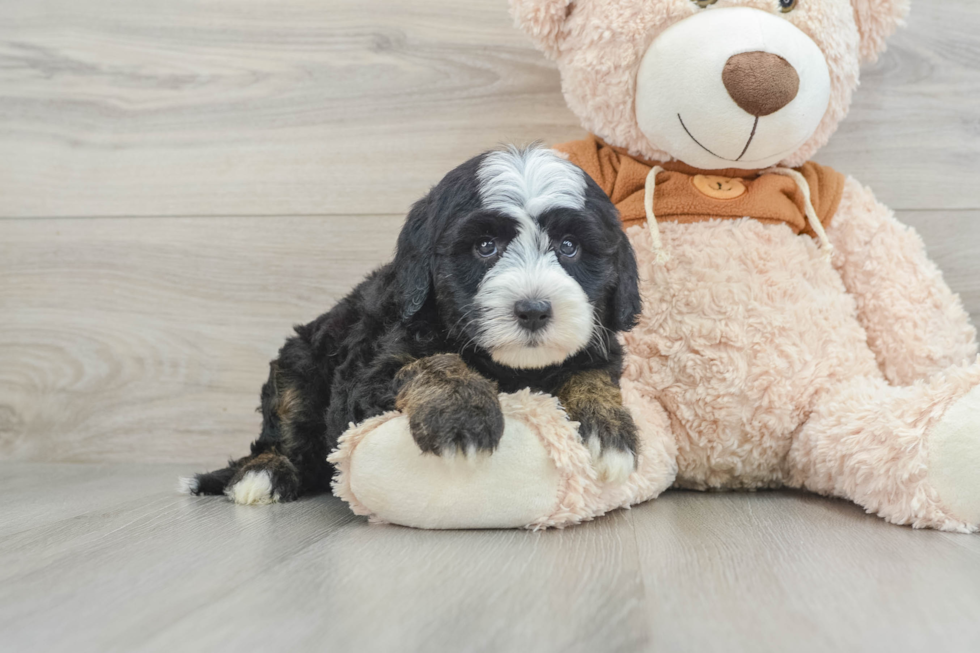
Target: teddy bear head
x,y
712,83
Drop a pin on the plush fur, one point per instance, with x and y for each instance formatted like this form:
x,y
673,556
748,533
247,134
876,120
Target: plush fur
x,y
849,370
599,45
440,330
778,367
762,357
540,476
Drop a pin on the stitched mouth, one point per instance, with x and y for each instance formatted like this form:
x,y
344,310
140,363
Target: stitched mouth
x,y
755,126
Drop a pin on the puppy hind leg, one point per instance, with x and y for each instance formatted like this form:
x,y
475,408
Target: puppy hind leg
x,y
265,478
289,457
269,477
210,483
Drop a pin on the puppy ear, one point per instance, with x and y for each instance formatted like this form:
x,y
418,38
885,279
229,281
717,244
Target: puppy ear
x,y
876,21
625,304
413,260
542,20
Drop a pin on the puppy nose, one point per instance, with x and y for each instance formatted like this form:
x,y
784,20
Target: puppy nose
x,y
533,314
761,83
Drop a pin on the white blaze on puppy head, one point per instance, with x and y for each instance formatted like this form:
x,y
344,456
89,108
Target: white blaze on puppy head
x,y
524,184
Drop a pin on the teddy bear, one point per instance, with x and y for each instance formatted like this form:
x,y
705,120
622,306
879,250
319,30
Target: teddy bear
x,y
794,333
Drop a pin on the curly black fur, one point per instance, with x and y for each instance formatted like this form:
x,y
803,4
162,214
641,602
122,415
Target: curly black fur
x,y
344,366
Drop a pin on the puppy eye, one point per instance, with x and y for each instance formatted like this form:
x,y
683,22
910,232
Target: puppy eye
x,y
787,6
485,247
704,3
568,248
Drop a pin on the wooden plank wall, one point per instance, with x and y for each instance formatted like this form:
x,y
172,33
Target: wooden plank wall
x,y
181,181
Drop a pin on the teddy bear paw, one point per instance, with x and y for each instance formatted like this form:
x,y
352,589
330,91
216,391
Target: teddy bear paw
x,y
954,459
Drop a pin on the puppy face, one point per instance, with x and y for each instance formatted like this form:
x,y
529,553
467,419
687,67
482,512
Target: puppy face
x,y
524,258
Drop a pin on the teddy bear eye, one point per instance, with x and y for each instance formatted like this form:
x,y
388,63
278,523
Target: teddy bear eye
x,y
705,3
787,6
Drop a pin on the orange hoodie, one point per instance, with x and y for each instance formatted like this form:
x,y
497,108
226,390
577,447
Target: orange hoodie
x,y
686,194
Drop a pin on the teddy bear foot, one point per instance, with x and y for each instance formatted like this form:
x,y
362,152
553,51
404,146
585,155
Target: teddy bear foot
x,y
954,459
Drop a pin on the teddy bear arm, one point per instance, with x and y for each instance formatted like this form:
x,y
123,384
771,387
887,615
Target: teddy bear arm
x,y
916,325
541,474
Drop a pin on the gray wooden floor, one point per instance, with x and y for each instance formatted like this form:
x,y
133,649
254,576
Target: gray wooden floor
x,y
108,558
181,181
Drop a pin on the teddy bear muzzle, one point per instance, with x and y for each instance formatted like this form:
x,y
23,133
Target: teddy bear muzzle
x,y
735,87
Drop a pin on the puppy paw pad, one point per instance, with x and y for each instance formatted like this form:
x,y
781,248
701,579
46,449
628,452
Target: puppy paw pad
x,y
255,489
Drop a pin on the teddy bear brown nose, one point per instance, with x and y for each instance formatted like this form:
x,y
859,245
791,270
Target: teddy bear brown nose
x,y
761,83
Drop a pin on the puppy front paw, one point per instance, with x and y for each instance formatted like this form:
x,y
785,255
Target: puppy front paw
x,y
610,434
612,465
450,407
605,425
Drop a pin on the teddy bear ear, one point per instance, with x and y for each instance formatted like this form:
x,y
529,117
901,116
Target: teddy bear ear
x,y
876,21
542,20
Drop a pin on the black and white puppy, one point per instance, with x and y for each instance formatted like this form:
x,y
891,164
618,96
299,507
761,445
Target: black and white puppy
x,y
513,272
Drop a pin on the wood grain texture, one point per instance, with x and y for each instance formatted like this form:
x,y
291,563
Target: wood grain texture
x,y
114,574
350,107
759,572
181,181
177,107
395,589
148,339
953,242
913,133
780,571
39,495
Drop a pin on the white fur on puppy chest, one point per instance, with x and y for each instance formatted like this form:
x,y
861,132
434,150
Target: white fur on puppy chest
x,y
680,79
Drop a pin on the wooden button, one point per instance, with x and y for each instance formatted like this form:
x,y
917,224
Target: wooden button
x,y
719,188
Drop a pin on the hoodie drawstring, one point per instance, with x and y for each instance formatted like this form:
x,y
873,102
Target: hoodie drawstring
x,y
660,255
801,182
